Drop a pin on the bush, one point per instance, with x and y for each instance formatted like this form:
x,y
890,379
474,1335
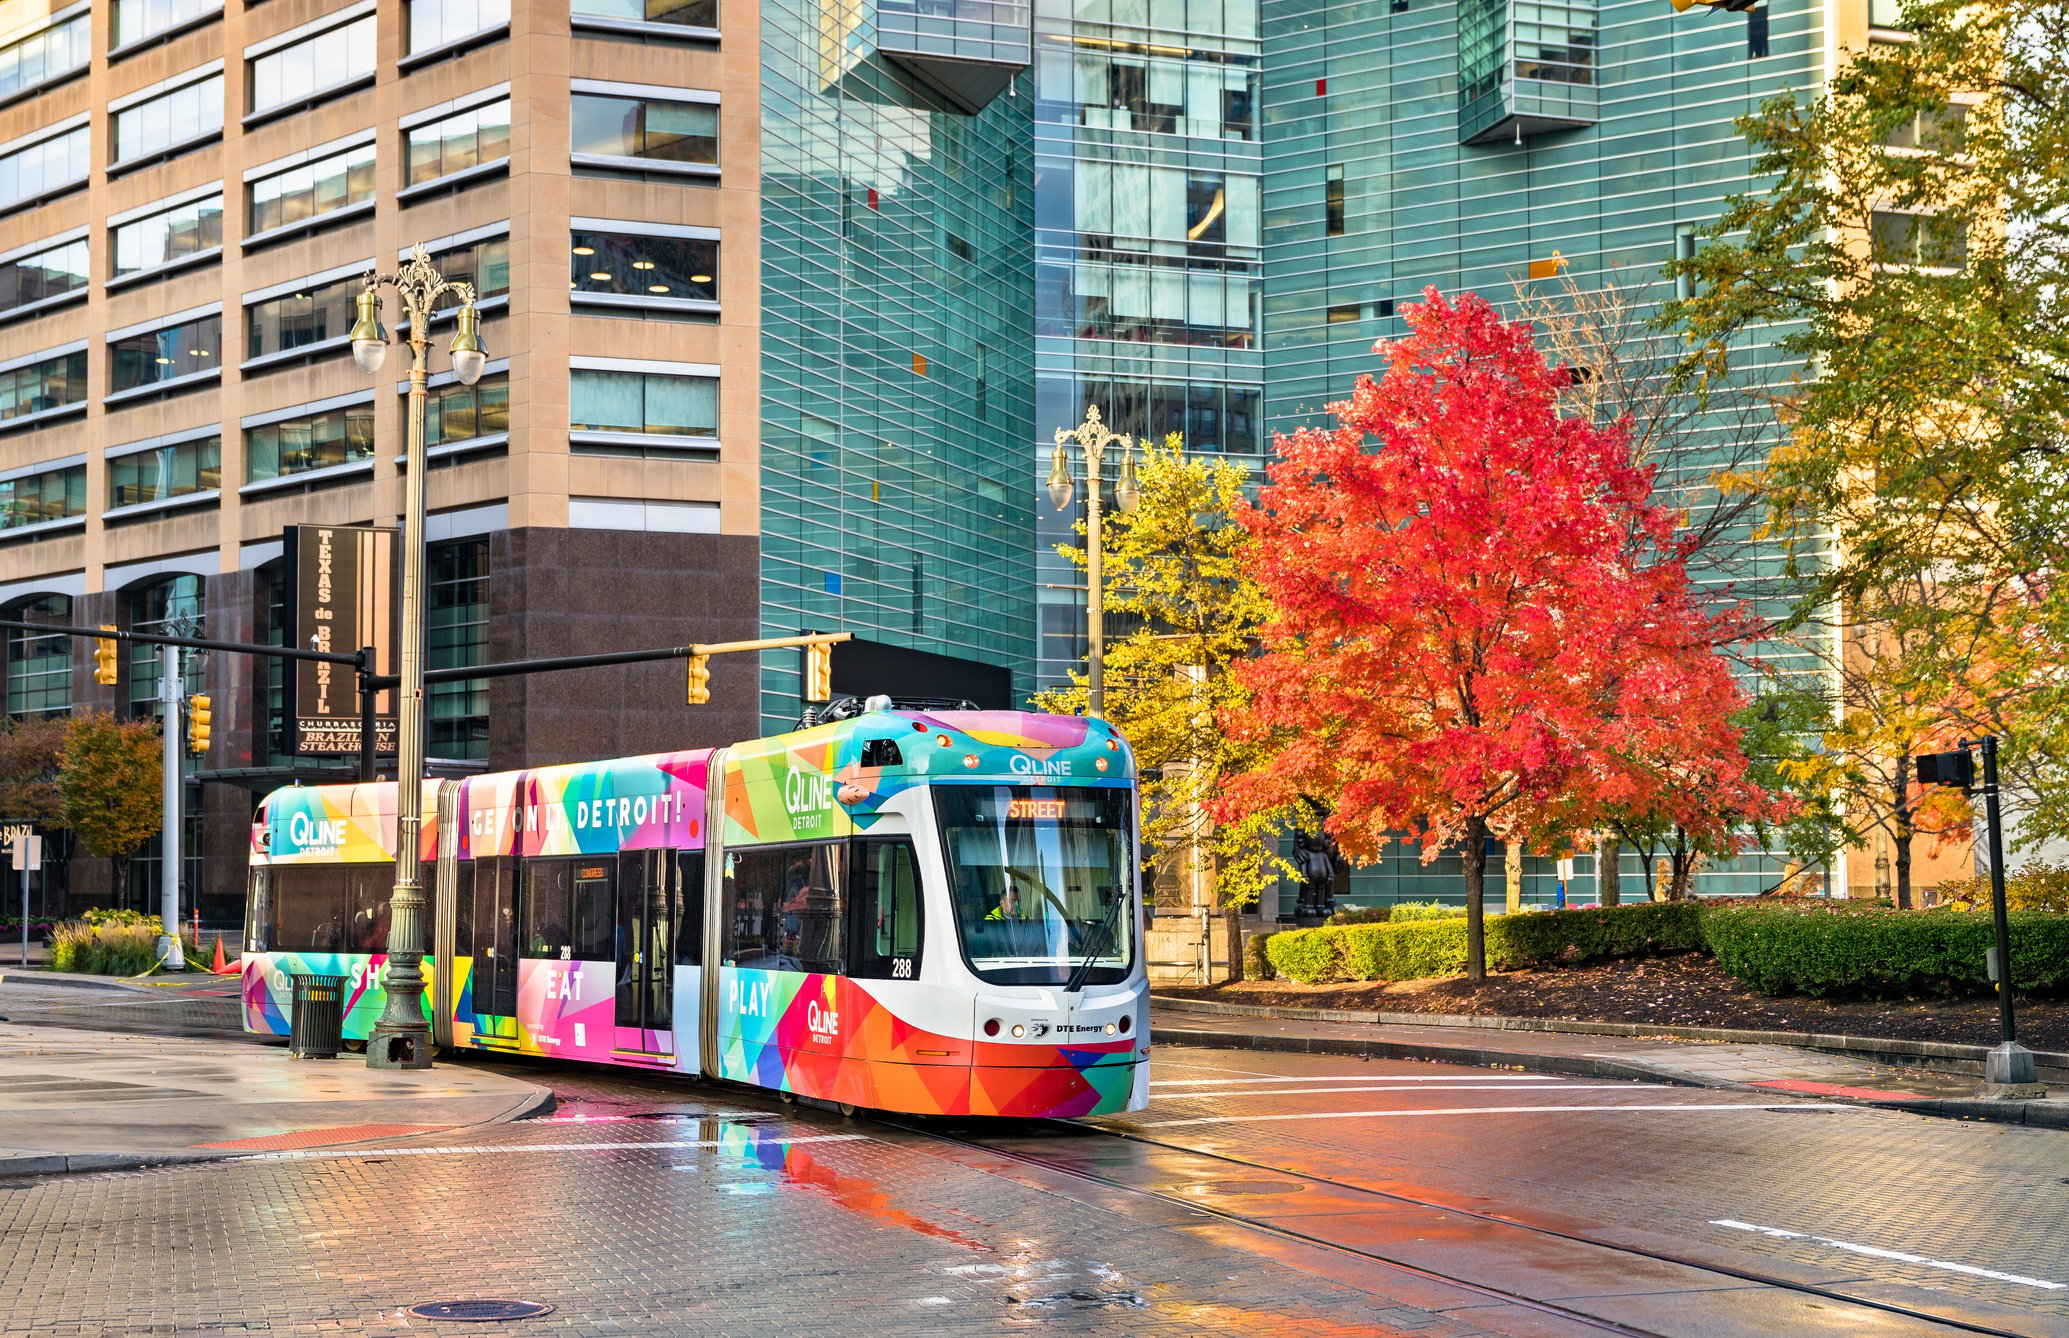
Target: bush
x,y
1427,910
1256,966
1822,950
1420,948
1362,915
110,943
2037,887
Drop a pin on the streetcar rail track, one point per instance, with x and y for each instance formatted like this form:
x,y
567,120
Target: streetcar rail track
x,y
1419,1270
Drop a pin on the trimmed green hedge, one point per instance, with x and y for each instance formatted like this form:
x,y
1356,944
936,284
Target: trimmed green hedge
x,y
1416,949
1829,949
1776,948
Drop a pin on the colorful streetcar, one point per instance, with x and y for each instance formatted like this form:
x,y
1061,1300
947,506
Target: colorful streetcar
x,y
937,914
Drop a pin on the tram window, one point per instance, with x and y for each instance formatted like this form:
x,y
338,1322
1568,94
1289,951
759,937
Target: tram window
x,y
785,904
689,922
256,909
594,911
548,927
372,893
309,908
886,910
463,908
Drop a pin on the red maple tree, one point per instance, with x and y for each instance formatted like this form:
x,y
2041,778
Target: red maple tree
x,y
1483,620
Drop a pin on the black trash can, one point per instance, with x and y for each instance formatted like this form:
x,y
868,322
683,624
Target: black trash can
x,y
316,1027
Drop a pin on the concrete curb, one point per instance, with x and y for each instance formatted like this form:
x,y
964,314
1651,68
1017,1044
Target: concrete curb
x,y
2041,1114
72,982
536,1100
1946,1054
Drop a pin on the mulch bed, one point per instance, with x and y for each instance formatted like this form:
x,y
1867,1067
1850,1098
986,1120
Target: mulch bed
x,y
1689,991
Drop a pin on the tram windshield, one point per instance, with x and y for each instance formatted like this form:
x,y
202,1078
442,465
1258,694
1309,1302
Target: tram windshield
x,y
1041,880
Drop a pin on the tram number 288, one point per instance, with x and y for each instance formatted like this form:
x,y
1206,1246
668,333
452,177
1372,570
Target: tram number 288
x,y
901,968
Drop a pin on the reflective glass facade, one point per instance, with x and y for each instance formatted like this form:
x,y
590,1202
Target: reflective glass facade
x,y
896,279
1148,246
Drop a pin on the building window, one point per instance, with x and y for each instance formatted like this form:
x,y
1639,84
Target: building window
x,y
485,264
638,266
456,636
167,354
1212,214
155,125
52,383
1142,303
313,314
43,275
169,471
169,606
1211,98
272,631
135,20
1919,239
1333,201
296,194
435,23
1212,416
458,142
672,13
1345,315
51,164
39,666
329,60
35,499
1945,130
641,404
646,128
312,441
1886,14
60,49
455,413
172,235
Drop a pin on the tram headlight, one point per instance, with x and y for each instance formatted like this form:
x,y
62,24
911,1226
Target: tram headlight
x,y
991,1026
1109,1028
1018,1031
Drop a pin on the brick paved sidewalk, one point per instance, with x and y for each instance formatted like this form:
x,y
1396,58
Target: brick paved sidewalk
x,y
1731,1065
73,1100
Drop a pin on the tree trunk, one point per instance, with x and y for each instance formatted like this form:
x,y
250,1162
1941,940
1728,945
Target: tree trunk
x,y
1476,890
1512,876
1903,832
1234,915
1608,878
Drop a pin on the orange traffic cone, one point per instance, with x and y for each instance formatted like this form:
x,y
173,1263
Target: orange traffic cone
x,y
220,968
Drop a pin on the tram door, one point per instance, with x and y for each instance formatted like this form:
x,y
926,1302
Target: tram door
x,y
495,950
647,900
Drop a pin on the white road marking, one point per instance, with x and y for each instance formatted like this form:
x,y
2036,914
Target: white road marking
x,y
307,1154
1900,1256
1376,1087
1488,1110
1352,1077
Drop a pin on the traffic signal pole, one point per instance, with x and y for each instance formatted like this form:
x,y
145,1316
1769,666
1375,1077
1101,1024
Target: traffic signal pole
x,y
169,955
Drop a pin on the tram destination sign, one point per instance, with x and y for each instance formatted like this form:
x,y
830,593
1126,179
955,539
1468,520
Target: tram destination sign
x,y
341,596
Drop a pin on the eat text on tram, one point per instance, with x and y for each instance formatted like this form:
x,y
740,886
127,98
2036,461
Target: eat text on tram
x,y
931,913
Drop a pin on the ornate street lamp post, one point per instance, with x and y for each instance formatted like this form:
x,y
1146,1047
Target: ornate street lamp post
x,y
401,1038
1093,438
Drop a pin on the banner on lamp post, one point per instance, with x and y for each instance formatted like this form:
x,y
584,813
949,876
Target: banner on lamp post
x,y
341,596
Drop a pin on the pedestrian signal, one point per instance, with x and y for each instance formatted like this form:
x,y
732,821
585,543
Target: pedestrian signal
x,y
104,671
198,718
818,673
700,679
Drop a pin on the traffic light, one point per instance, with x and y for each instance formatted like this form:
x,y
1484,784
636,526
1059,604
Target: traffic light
x,y
104,671
818,673
700,679
1957,769
198,716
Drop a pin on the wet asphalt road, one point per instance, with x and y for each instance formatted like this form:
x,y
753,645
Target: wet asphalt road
x,y
1259,1194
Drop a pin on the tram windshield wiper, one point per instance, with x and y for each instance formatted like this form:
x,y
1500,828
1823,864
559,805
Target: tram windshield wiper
x,y
1101,939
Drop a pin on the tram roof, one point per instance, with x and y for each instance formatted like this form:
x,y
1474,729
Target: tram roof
x,y
846,759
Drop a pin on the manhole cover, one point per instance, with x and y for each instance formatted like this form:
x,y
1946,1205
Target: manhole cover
x,y
478,1312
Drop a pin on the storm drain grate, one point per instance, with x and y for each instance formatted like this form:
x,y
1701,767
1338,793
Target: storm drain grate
x,y
478,1312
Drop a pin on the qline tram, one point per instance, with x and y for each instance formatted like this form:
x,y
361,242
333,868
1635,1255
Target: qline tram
x,y
931,913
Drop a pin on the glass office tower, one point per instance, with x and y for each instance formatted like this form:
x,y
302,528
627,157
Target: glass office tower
x,y
1148,245
897,208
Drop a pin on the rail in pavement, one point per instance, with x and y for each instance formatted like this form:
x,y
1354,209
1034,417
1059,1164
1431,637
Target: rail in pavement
x,y
1618,1051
